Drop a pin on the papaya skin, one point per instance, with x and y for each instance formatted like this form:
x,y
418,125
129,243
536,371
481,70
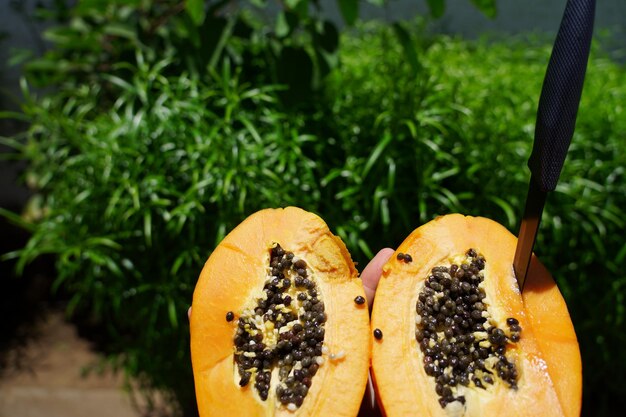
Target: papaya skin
x,y
234,272
547,356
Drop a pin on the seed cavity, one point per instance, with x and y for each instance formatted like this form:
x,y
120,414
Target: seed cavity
x,y
283,329
460,342
378,334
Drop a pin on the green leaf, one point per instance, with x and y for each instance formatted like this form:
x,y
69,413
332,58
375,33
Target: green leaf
x,y
286,22
349,10
195,9
437,7
488,7
16,219
327,37
407,46
508,210
384,212
121,30
376,153
45,64
298,7
19,56
13,115
72,304
221,43
147,227
365,248
171,308
282,27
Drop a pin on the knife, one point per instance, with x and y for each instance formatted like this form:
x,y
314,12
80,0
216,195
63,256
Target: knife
x,y
556,117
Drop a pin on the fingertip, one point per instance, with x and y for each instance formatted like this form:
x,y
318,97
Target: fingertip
x,y
385,254
373,271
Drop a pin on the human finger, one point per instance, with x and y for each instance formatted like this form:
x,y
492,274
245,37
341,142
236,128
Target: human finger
x,y
372,272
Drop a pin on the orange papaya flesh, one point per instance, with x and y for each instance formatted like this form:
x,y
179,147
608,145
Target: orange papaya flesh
x,y
276,326
458,339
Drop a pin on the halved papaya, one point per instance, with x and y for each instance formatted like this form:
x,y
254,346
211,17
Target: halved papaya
x,y
279,325
453,336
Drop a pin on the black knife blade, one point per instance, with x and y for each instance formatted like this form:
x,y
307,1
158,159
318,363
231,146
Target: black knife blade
x,y
556,118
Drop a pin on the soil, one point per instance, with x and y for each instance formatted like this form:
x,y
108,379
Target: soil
x,y
54,373
46,368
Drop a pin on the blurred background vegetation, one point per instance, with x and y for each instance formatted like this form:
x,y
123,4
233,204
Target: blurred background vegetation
x,y
154,127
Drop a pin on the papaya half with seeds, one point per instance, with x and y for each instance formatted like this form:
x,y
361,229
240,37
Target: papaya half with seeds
x,y
454,336
275,328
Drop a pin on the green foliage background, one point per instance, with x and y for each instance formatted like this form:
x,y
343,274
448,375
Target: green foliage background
x,y
170,122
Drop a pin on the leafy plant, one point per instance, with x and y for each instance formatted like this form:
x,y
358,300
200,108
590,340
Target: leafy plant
x,y
294,45
137,195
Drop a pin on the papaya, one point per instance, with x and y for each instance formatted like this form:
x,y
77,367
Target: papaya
x,y
453,335
279,324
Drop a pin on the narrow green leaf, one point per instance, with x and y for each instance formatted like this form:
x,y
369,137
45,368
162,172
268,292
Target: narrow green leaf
x,y
178,263
219,48
251,129
44,64
332,175
120,83
171,307
441,175
220,234
195,9
411,126
391,175
346,193
437,8
378,150
16,219
384,212
365,248
19,56
488,7
448,199
73,303
14,115
58,281
282,27
10,255
82,196
408,46
147,227
103,241
121,30
508,210
349,10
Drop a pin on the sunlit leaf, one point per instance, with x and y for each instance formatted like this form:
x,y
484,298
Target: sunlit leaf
x,y
195,9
